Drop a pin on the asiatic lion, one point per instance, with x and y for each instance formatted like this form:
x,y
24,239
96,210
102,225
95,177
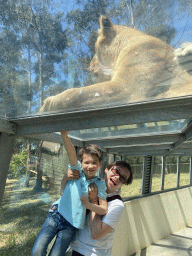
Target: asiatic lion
x,y
133,67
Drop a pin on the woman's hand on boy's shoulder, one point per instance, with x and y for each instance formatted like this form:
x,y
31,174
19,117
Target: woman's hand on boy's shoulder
x,y
70,175
92,193
85,201
73,175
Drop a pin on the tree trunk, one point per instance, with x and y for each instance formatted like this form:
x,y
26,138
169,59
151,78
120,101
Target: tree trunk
x,y
29,80
132,17
40,82
38,186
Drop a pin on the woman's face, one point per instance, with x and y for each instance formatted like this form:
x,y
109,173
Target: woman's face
x,y
113,180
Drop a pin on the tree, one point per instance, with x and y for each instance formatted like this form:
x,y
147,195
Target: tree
x,y
82,32
49,41
9,72
37,40
18,165
41,40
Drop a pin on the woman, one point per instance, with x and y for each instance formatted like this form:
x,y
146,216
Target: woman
x,y
97,236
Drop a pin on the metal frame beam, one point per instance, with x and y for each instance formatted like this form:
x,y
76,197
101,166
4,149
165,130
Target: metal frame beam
x,y
178,170
190,171
160,110
147,175
54,137
135,140
7,126
163,172
185,136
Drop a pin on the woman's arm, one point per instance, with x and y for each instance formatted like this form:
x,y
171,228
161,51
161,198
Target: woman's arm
x,y
100,209
98,228
70,175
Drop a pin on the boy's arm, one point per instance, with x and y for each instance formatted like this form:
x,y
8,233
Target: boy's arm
x,y
71,152
100,209
63,184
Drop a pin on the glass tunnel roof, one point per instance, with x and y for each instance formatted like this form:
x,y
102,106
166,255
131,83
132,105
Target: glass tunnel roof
x,y
154,138
98,69
60,57
133,130
116,73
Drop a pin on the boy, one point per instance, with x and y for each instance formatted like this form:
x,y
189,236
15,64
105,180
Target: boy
x,y
67,214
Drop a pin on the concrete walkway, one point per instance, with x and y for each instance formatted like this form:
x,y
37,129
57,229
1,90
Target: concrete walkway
x,y
177,244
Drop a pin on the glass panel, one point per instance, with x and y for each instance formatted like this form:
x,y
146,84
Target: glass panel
x,y
26,202
170,172
153,128
117,158
184,171
48,52
110,158
135,188
33,186
156,178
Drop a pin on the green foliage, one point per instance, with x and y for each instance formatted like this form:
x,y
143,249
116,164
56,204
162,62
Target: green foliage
x,y
11,241
18,164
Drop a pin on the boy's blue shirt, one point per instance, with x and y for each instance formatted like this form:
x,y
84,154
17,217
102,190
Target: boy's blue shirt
x,y
69,205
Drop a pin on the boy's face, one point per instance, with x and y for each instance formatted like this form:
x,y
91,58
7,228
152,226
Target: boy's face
x,y
90,165
113,180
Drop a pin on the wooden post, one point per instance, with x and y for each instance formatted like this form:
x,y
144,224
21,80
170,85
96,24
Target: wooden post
x,y
6,150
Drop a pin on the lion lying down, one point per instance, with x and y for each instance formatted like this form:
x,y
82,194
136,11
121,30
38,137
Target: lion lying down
x,y
133,66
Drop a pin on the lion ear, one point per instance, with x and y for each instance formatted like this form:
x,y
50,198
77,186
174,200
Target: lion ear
x,y
105,24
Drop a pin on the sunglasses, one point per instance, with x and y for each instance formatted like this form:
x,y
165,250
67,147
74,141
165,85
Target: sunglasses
x,y
116,170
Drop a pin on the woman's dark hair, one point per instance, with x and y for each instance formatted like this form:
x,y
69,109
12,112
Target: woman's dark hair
x,y
123,164
91,149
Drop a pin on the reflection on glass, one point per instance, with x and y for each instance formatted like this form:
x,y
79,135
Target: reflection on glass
x,y
184,171
170,178
134,189
22,214
152,128
48,48
156,178
170,172
117,158
110,158
32,186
